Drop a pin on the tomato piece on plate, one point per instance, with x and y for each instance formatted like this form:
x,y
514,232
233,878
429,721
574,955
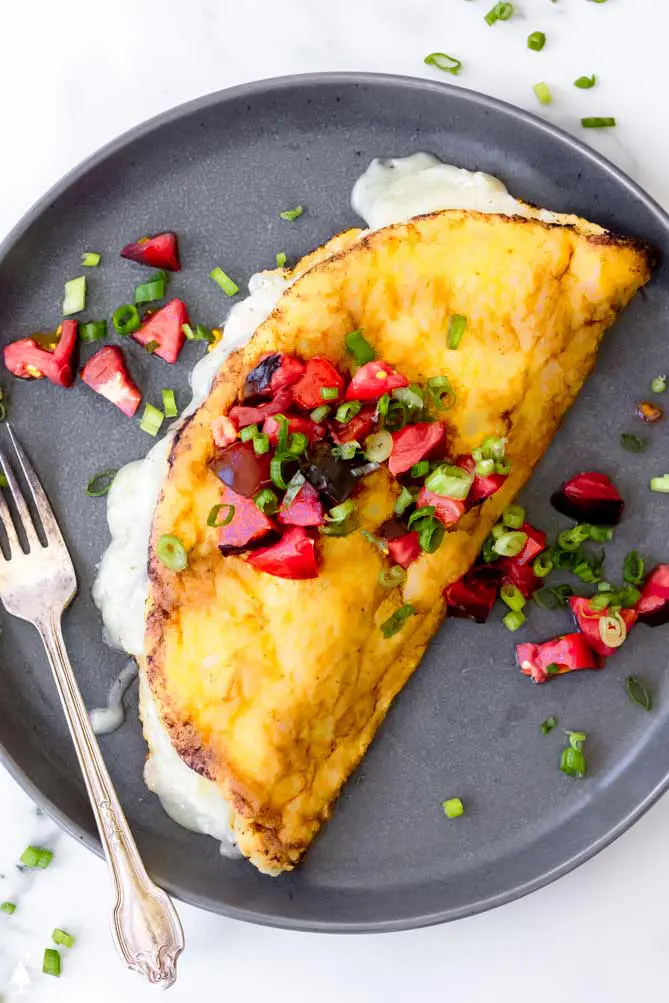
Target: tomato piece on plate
x,y
107,374
161,251
357,428
447,510
473,596
306,508
25,358
404,550
653,606
373,380
589,621
247,525
590,497
165,328
566,653
413,443
294,556
520,575
482,487
224,432
319,375
244,414
536,543
305,426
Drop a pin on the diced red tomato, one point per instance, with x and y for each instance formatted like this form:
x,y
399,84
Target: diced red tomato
x,y
536,543
357,429
413,443
107,374
404,550
483,487
247,525
474,595
520,575
165,328
294,556
318,375
307,427
243,415
242,469
653,606
223,431
569,652
290,370
589,620
161,251
373,380
305,509
590,497
25,358
447,510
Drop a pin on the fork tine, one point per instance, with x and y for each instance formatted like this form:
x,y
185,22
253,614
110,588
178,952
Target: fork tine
x,y
40,500
20,502
8,525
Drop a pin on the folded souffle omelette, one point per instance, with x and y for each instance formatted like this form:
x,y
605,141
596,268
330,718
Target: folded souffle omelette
x,y
345,469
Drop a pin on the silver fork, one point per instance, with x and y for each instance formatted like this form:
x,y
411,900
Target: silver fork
x,y
37,586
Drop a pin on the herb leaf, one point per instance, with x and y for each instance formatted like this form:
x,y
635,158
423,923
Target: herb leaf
x,y
632,443
638,693
548,725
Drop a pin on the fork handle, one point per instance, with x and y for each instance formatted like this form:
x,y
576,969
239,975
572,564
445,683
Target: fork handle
x,y
145,924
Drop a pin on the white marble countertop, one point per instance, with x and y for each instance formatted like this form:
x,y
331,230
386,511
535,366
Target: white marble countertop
x,y
73,75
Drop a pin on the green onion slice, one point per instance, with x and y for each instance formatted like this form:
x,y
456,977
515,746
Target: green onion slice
x,y
543,92
514,619
633,568
36,857
223,280
638,693
390,578
420,469
340,513
394,623
51,962
536,41
345,412
378,446
94,330
100,483
292,214
510,544
431,534
585,83
456,328
74,300
329,393
548,725
281,259
320,413
295,485
276,470
9,908
214,512
404,500
60,937
513,597
169,403
543,564
360,348
571,539
484,468
500,12
442,392
601,534
453,808
572,762
411,396
513,516
659,384
171,552
595,122
90,259
550,598
148,292
267,501
347,450
152,419
449,64
576,739
660,484
450,481
426,512
126,319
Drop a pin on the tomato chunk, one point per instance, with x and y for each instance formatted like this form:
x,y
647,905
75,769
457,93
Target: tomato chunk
x,y
305,426
161,251
589,621
107,374
373,380
223,431
247,525
357,429
474,595
25,358
447,510
653,606
590,497
404,550
243,414
294,556
319,375
566,653
520,575
483,487
413,443
306,508
165,328
536,543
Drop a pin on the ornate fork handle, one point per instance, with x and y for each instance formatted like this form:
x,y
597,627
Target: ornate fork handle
x,y
145,925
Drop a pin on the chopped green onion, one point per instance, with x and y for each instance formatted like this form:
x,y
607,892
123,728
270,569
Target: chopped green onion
x,y
411,396
602,600
576,739
321,413
498,530
404,500
214,512
74,300
585,83
543,564
513,597
329,393
345,412
543,93
151,346
347,450
9,908
442,392
420,469
449,64
629,596
660,484
493,446
571,539
550,598
51,962
593,122
94,330
4,483
292,214
659,384
267,501
450,481
171,552
502,467
378,446
60,937
536,41
601,534
3,406
126,319
500,12
456,328
169,404
36,857
276,470
488,555
295,485
548,725
249,432
514,619
390,578
453,808
376,541
552,669
100,483
589,568
484,468
564,560
341,512
201,333
396,415
632,443
343,528
510,544
229,287
383,405
152,419
394,623
90,259
633,568
148,292
513,516
297,443
431,534
281,259
572,762
359,347
638,693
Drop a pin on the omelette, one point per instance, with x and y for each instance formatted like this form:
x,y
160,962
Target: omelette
x,y
273,686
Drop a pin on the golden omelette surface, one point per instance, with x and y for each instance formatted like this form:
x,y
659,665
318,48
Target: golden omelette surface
x,y
275,688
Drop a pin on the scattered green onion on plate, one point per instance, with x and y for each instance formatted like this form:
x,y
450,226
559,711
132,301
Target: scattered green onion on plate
x,y
453,808
62,938
223,281
536,41
169,403
151,420
100,484
543,92
442,61
660,484
90,259
585,83
51,962
290,215
598,122
74,300
35,857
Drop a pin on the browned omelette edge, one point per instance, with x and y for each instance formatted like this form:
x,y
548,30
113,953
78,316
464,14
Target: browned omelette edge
x,y
254,817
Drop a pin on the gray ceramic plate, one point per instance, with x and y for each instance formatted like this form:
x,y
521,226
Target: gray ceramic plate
x,y
218,171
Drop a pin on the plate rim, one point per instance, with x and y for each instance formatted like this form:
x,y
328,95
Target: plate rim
x,y
251,89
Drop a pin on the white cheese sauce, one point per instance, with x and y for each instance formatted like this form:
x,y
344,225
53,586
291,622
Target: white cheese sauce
x,y
390,191
107,719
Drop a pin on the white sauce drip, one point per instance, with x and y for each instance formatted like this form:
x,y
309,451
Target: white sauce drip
x,y
107,719
388,192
